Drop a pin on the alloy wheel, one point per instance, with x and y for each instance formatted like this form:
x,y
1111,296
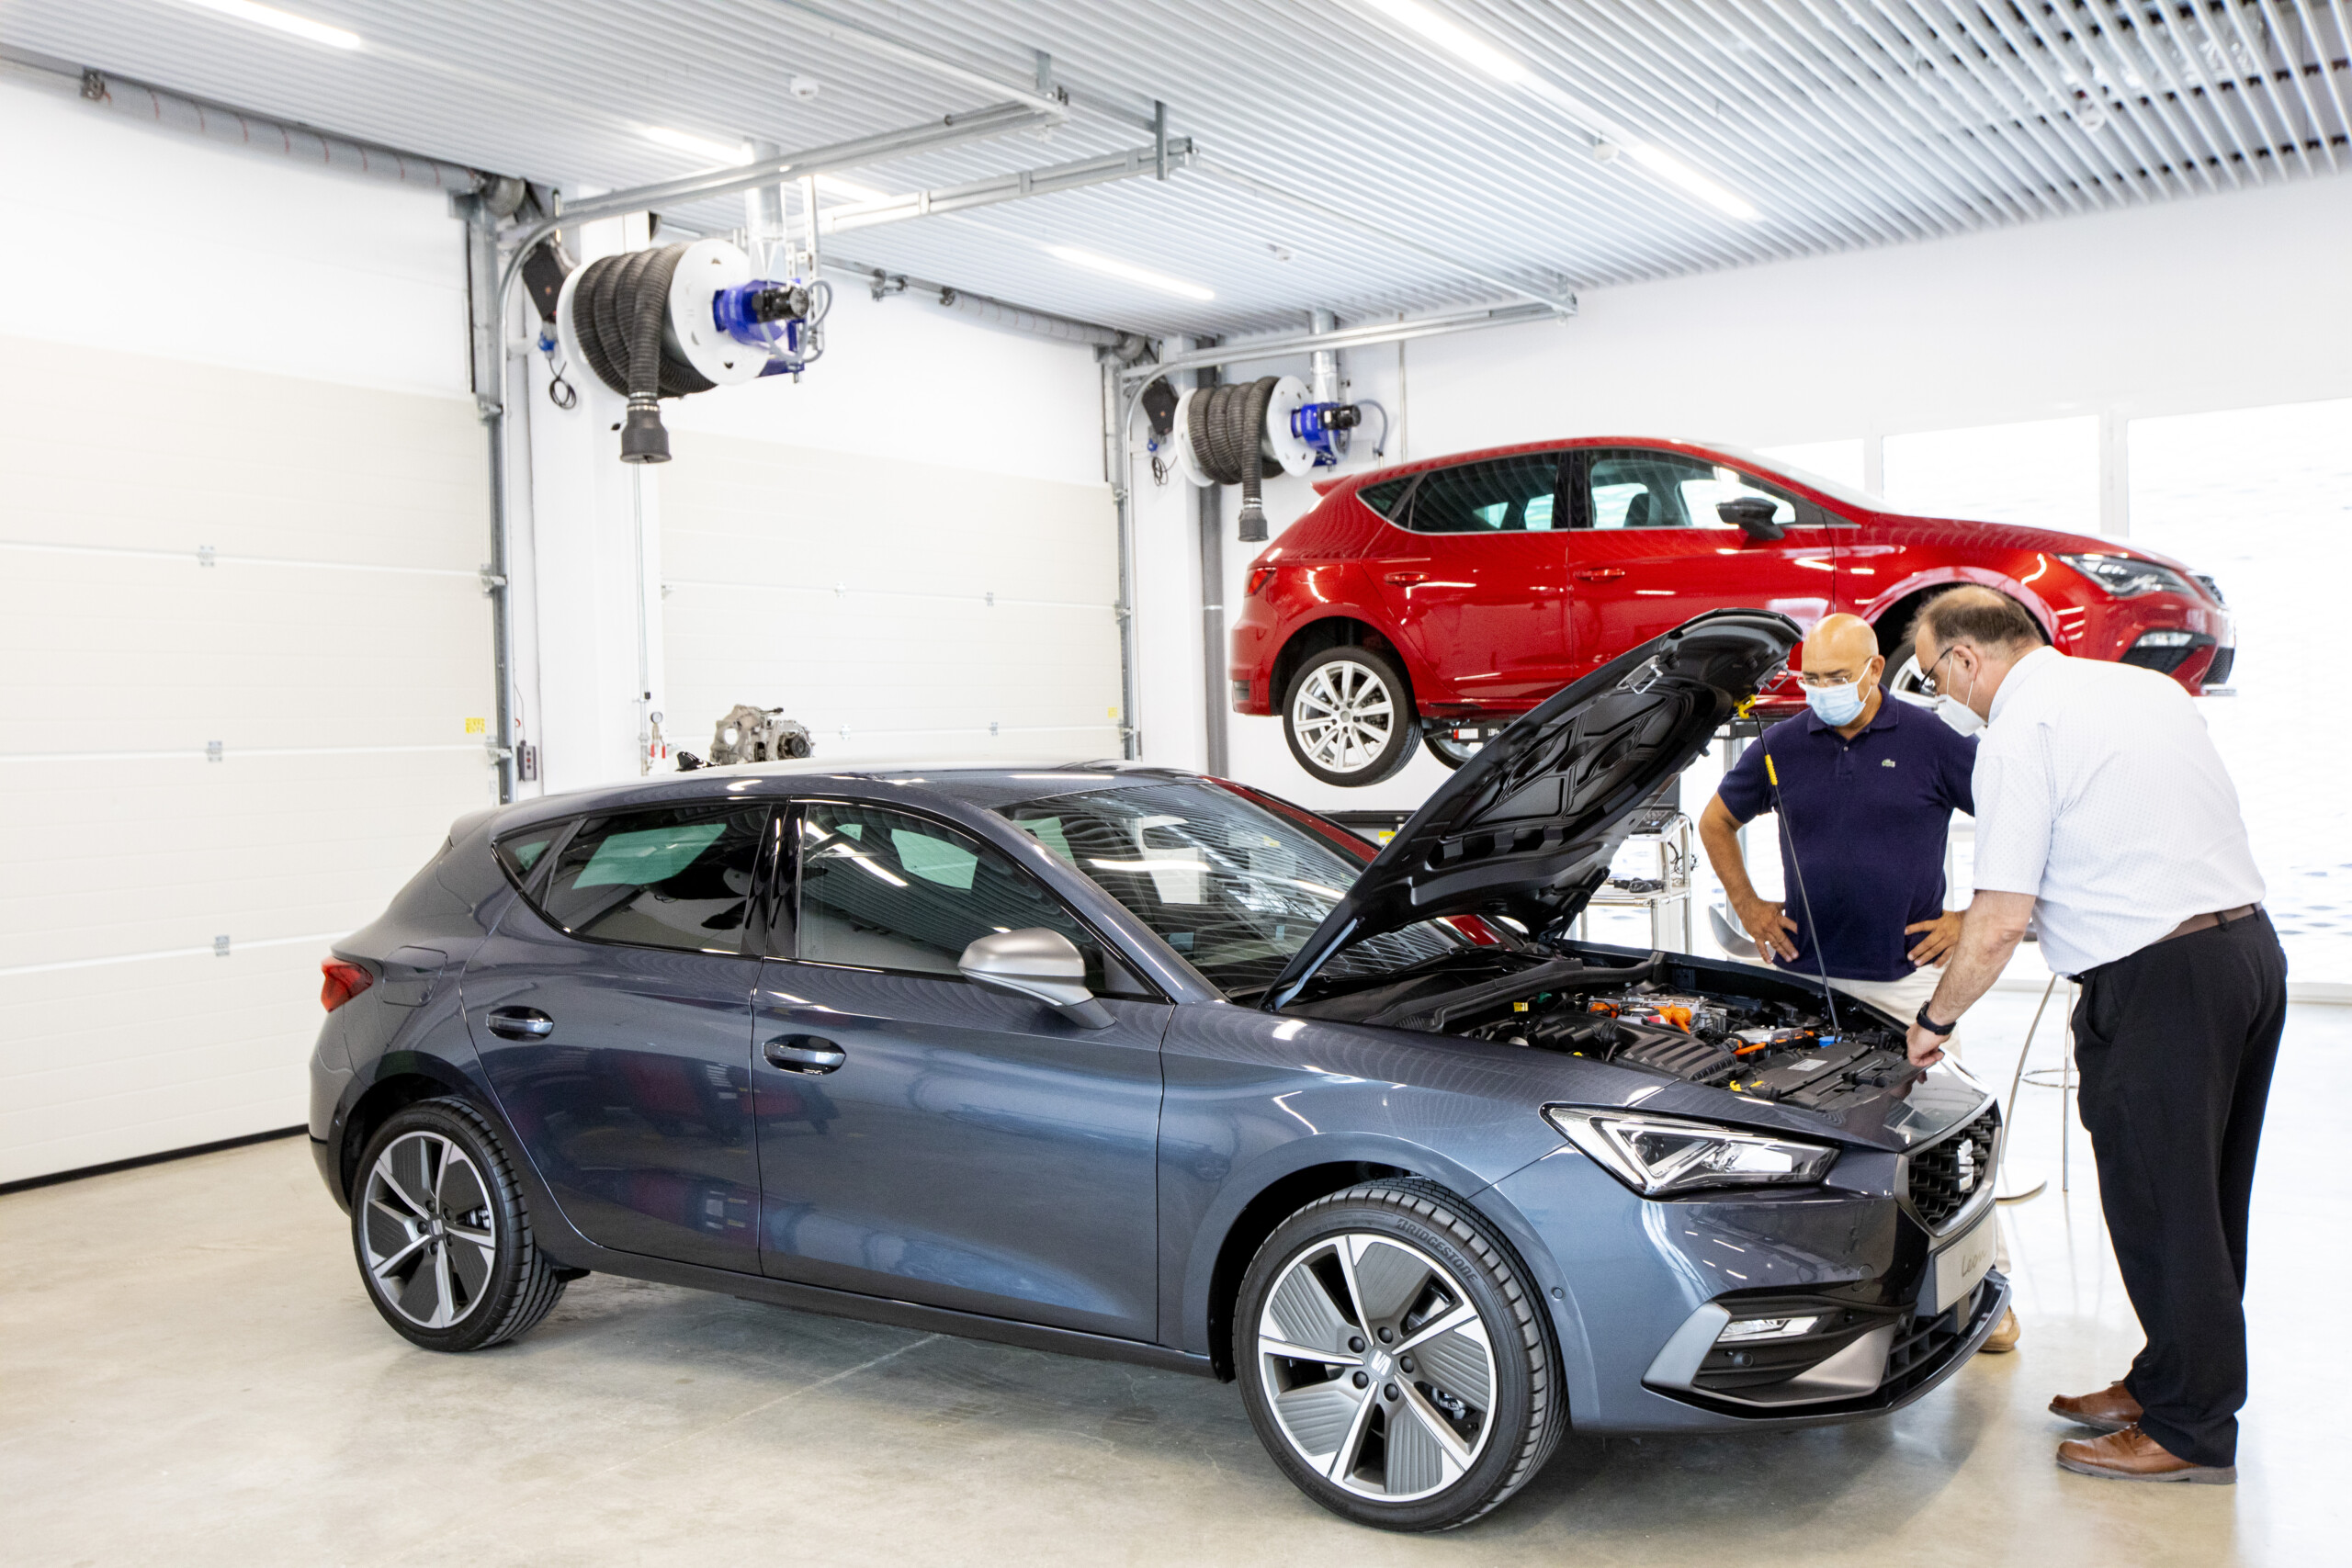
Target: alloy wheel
x,y
1908,681
1343,715
1378,1367
429,1237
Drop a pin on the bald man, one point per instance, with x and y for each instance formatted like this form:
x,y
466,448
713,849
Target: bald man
x,y
1866,792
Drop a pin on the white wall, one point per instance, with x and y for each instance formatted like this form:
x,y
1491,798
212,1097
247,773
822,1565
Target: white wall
x,y
2228,301
212,350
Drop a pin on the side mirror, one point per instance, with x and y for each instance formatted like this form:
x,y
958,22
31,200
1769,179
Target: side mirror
x,y
1041,965
1754,514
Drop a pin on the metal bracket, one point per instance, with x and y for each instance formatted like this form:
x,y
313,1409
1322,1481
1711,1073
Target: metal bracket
x,y
205,555
214,751
492,582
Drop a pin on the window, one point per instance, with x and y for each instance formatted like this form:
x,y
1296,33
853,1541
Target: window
x,y
1382,497
1234,888
1507,495
519,853
678,878
880,889
1668,490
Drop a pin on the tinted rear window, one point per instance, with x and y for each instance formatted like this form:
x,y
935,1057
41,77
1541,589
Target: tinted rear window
x,y
1382,497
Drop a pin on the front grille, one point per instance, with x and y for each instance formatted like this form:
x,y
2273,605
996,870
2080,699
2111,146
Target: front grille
x,y
2211,587
1946,1175
1926,1343
2218,672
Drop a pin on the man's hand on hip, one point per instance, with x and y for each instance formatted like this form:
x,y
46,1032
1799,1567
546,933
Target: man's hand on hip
x,y
1768,927
1943,936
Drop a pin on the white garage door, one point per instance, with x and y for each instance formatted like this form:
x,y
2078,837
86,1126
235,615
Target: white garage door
x,y
244,640
900,610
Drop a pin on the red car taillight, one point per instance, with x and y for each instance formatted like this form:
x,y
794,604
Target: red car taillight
x,y
1258,578
344,982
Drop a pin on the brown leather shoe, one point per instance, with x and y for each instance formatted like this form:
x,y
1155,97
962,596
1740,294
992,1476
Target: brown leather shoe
x,y
2111,1409
2004,1337
2132,1455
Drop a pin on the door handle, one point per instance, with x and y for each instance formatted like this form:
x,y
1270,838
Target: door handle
x,y
1405,577
520,1024
804,1054
1598,573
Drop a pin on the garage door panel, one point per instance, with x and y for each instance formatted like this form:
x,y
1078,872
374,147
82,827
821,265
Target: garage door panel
x,y
338,681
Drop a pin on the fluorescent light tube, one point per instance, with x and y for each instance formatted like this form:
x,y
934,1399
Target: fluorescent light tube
x,y
1454,38
1129,271
700,146
284,21
1676,172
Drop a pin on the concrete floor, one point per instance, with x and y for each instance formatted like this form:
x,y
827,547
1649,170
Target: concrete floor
x,y
190,1375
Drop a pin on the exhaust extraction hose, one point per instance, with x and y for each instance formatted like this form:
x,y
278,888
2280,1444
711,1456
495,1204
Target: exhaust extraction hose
x,y
618,313
1226,427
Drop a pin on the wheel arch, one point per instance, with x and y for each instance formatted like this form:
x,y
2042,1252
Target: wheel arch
x,y
1890,614
401,1084
1343,628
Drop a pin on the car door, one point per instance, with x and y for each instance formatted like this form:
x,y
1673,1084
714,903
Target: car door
x,y
925,1139
1648,550
1474,576
612,1010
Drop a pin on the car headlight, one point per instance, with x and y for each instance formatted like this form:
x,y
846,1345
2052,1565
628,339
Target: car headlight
x,y
2127,579
1656,1156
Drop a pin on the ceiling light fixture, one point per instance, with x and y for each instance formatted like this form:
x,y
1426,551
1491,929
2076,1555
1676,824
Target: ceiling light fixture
x,y
283,21
1469,48
700,146
1675,172
1129,271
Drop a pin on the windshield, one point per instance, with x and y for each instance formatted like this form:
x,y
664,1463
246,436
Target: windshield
x,y
1232,886
1842,493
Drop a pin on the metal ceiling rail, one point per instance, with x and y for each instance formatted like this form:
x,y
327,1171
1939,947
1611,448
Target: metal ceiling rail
x,y
995,120
1363,337
839,29
1154,161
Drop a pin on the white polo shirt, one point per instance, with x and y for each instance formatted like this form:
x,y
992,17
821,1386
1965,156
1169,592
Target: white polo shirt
x,y
2099,792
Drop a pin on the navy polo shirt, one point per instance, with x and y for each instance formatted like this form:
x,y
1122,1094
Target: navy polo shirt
x,y
1867,818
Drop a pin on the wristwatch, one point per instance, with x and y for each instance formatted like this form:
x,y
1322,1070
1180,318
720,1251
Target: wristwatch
x,y
1930,1025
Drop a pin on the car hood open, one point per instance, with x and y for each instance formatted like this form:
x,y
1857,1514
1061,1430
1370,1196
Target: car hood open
x,y
1528,826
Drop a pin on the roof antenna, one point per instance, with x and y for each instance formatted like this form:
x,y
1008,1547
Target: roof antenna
x,y
1789,839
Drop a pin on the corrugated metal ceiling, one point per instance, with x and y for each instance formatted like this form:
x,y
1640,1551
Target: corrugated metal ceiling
x,y
1842,122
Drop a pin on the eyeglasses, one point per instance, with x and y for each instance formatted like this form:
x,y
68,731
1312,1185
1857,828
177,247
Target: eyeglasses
x,y
1828,677
1928,677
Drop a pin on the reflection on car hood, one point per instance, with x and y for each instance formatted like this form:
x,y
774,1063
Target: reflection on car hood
x,y
1527,827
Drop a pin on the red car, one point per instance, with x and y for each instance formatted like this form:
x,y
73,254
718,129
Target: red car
x,y
1438,601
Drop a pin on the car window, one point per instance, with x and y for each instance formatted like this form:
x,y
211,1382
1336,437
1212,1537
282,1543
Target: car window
x,y
1504,495
1236,888
521,852
1382,497
1633,488
883,890
677,878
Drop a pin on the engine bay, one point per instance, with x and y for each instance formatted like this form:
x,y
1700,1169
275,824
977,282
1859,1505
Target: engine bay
x,y
1753,1033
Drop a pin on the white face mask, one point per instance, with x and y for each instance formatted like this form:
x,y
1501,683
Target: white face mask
x,y
1958,714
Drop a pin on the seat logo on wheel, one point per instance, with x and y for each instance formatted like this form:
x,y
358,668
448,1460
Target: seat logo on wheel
x,y
1378,1367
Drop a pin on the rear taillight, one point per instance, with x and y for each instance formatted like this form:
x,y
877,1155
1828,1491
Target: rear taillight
x,y
1258,578
344,982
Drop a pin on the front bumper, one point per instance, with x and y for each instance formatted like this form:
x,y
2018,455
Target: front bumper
x,y
1640,1290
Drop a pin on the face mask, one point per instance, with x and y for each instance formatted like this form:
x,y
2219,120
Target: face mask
x,y
1838,705
1959,714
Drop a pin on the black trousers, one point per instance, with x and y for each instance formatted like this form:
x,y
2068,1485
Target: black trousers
x,y
2176,1046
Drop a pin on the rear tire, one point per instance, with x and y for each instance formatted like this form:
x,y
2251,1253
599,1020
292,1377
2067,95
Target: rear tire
x,y
442,1235
1349,716
1394,1358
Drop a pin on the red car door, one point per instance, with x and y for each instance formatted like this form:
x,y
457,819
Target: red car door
x,y
1474,575
1650,545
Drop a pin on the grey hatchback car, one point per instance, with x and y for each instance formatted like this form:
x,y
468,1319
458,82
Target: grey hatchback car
x,y
1130,1063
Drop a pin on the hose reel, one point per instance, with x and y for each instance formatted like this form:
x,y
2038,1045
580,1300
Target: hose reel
x,y
1230,434
672,320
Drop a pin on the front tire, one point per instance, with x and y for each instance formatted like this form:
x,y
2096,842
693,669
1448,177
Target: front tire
x,y
442,1235
1349,716
1394,1358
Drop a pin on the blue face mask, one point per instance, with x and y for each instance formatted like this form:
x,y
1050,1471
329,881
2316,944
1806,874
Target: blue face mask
x,y
1838,705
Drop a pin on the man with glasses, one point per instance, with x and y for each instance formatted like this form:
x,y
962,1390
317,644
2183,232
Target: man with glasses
x,y
2106,820
1864,796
